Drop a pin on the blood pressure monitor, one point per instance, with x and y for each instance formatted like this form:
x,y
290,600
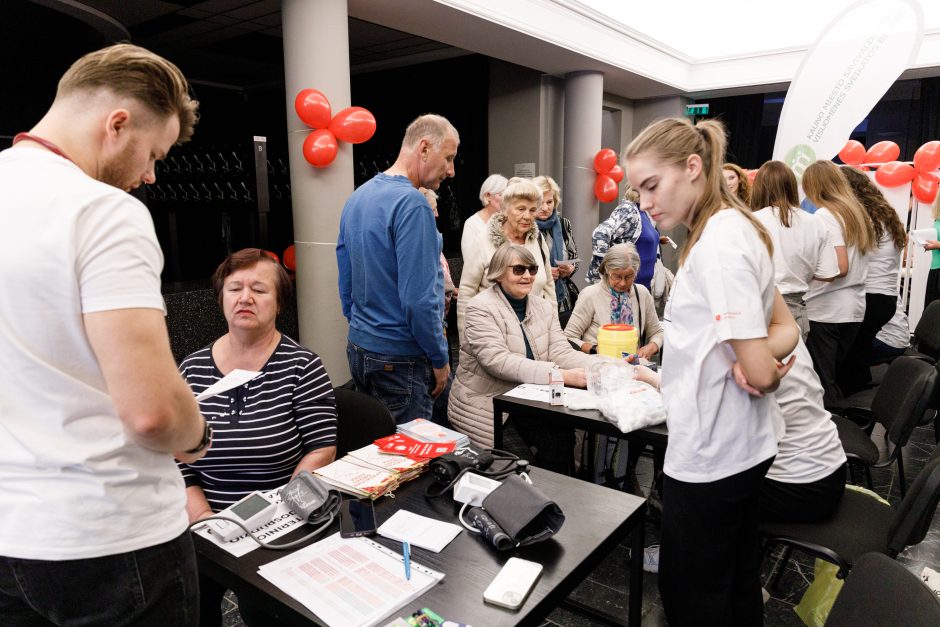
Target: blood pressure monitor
x,y
252,511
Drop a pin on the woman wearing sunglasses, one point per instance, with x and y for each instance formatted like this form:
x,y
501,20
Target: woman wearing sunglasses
x,y
512,338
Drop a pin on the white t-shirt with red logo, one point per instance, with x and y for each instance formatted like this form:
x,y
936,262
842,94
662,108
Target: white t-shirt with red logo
x,y
724,291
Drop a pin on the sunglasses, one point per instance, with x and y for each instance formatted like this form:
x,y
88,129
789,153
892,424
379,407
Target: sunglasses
x,y
520,269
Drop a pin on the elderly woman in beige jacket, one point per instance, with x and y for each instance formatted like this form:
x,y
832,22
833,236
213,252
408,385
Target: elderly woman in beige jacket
x,y
616,298
513,337
516,224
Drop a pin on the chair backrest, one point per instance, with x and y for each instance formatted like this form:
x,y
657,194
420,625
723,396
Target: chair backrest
x,y
881,591
903,396
927,332
914,514
361,419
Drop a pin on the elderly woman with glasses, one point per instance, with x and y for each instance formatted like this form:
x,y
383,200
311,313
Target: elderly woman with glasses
x,y
619,299
513,338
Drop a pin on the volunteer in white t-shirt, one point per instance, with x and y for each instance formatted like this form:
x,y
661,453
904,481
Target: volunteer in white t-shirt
x,y
807,478
93,529
721,438
802,249
881,284
836,309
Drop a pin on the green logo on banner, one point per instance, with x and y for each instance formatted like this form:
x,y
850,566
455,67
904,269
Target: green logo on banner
x,y
799,158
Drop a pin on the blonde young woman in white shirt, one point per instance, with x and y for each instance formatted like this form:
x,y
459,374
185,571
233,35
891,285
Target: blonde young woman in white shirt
x,y
722,439
836,309
803,250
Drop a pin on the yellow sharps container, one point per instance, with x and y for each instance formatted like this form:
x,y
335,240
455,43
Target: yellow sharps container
x,y
614,340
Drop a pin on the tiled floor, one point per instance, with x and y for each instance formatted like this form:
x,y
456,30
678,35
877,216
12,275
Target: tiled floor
x,y
606,587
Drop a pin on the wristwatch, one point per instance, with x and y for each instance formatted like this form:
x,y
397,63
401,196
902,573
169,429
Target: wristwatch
x,y
204,442
593,350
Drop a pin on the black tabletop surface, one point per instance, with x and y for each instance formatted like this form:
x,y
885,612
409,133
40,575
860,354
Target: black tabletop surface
x,y
596,520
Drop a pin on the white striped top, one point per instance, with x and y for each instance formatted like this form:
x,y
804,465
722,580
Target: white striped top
x,y
261,429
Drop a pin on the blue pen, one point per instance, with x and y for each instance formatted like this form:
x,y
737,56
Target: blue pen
x,y
406,553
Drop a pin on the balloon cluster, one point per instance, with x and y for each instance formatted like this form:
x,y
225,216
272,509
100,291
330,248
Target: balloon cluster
x,y
891,173
608,175
353,124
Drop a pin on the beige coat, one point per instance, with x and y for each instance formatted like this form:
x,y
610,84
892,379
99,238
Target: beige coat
x,y
593,311
493,361
476,263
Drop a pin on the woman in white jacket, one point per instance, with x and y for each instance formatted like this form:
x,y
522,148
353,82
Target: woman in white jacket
x,y
516,224
512,338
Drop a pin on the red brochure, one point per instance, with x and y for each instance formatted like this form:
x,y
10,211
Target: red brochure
x,y
399,444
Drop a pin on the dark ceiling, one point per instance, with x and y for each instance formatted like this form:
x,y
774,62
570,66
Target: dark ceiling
x,y
233,43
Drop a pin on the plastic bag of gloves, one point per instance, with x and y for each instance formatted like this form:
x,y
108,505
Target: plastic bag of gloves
x,y
626,402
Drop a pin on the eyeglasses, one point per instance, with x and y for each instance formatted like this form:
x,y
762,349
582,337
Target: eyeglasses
x,y
520,269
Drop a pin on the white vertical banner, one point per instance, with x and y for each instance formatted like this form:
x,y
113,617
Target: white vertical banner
x,y
847,70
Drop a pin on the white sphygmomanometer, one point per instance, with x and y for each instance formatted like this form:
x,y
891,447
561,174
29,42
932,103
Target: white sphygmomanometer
x,y
308,496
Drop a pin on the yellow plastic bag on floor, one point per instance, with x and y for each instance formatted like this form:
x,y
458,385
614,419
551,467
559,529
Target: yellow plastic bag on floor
x,y
814,607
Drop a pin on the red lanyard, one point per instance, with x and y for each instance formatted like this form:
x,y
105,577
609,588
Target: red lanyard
x,y
48,145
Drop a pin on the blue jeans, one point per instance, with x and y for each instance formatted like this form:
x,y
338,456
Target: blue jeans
x,y
403,383
152,586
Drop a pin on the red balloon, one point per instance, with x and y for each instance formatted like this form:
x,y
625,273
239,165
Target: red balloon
x,y
883,152
354,125
927,157
604,160
605,188
751,175
616,173
928,176
853,153
271,255
894,173
320,148
290,258
313,108
925,189
863,168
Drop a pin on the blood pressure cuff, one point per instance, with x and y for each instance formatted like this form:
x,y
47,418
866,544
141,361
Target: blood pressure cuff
x,y
525,514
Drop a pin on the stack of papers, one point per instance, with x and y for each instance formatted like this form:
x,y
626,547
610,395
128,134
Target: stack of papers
x,y
369,473
422,531
426,431
358,479
349,583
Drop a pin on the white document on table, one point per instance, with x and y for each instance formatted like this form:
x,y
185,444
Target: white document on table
x,y
349,582
231,380
922,235
283,521
531,392
422,531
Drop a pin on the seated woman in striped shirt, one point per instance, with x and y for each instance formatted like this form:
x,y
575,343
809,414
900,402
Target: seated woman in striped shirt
x,y
269,429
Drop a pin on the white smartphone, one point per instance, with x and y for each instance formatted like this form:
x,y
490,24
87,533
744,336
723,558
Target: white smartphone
x,y
513,583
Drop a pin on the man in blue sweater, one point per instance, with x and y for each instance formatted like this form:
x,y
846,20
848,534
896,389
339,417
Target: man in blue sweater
x,y
391,284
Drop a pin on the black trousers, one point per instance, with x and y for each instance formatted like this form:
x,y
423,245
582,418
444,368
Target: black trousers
x,y
828,344
933,287
855,374
709,556
802,502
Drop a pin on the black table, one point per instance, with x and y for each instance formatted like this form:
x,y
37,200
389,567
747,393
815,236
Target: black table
x,y
588,419
597,520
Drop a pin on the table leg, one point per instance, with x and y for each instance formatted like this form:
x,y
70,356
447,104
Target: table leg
x,y
638,539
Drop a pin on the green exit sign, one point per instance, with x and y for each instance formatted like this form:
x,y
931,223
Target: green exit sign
x,y
696,109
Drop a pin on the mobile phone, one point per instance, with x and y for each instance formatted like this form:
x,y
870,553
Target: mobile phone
x,y
356,518
513,583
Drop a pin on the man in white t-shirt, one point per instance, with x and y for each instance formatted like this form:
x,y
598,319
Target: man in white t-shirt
x,y
92,409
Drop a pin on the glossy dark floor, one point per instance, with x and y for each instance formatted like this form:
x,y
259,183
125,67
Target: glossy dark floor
x,y
606,587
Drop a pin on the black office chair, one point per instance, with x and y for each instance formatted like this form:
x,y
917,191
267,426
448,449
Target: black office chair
x,y
861,524
926,342
361,420
880,591
899,404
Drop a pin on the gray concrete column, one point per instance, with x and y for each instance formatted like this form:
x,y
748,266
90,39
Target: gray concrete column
x,y
316,55
584,100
